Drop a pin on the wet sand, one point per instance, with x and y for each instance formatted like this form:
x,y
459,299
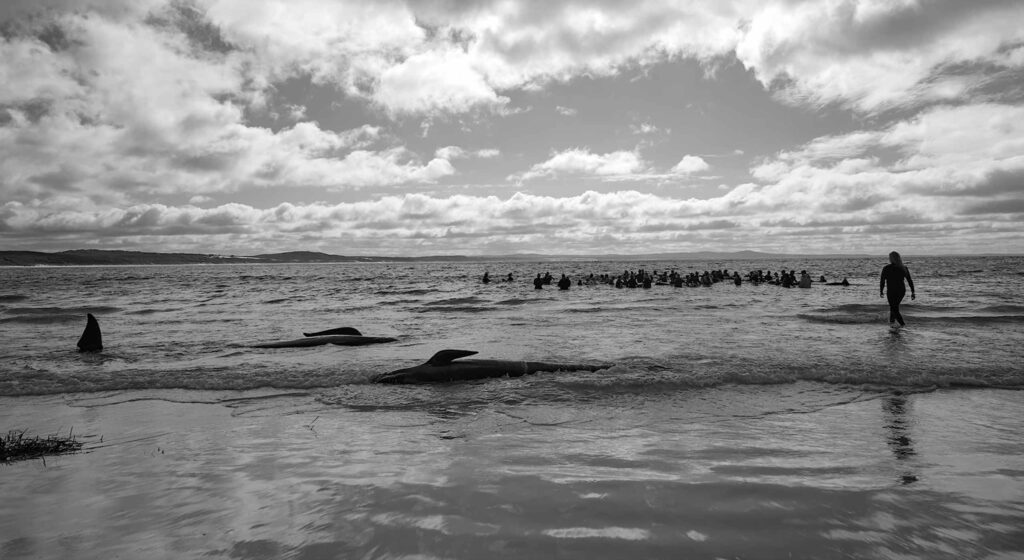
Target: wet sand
x,y
189,474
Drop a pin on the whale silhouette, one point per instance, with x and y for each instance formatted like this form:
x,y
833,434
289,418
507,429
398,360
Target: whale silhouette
x,y
339,330
342,336
446,366
91,339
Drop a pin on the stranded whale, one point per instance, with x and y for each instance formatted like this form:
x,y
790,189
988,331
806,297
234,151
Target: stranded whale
x,y
339,330
91,339
344,336
445,366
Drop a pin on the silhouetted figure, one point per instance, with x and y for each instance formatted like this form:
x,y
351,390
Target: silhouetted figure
x,y
894,274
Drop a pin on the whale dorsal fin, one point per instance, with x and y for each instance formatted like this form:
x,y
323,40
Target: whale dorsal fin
x,y
92,339
339,330
446,356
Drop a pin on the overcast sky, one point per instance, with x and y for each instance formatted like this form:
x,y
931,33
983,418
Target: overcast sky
x,y
493,127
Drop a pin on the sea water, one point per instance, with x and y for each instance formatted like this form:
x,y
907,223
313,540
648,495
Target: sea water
x,y
749,421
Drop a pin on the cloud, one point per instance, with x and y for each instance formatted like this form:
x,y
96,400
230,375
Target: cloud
x,y
934,167
436,81
455,152
582,161
646,128
690,165
822,217
121,112
112,111
877,55
431,58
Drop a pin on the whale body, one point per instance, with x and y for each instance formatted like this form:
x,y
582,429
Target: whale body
x,y
338,339
339,330
91,339
446,366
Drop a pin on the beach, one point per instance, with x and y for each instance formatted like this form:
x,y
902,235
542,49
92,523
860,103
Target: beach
x,y
736,422
926,475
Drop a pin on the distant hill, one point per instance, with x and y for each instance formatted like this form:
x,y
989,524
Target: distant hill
x,y
87,257
83,257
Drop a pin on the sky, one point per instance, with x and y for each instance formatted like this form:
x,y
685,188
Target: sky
x,y
452,127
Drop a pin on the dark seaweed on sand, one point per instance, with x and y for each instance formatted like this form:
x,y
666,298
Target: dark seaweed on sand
x,y
15,446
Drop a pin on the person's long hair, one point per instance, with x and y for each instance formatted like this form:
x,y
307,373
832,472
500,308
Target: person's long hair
x,y
896,260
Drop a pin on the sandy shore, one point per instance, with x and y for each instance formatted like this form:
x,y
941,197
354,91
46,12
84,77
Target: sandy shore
x,y
185,474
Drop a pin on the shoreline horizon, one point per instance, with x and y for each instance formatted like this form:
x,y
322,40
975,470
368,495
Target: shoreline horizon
x,y
103,257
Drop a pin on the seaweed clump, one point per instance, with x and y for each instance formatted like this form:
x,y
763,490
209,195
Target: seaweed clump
x,y
15,446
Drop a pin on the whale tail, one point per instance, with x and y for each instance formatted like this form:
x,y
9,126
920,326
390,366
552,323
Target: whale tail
x,y
92,338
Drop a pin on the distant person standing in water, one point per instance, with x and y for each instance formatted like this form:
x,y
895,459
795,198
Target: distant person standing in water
x,y
893,274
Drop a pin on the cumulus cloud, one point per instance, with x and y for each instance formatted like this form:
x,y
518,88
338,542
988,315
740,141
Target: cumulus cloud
x,y
866,55
108,105
582,161
109,110
825,214
938,166
429,57
455,152
436,81
877,55
690,165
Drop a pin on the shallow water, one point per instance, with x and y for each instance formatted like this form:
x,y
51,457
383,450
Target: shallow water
x,y
737,422
190,327
723,472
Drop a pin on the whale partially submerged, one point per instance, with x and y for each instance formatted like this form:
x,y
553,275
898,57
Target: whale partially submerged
x,y
343,336
446,366
339,330
91,339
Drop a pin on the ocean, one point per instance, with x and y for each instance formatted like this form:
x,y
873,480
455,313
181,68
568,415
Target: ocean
x,y
749,421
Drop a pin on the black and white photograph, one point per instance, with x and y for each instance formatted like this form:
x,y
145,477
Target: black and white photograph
x,y
512,279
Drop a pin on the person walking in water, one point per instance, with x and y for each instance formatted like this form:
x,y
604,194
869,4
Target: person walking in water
x,y
893,274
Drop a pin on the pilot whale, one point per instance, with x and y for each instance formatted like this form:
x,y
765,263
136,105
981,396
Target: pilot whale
x,y
344,336
446,366
339,330
91,339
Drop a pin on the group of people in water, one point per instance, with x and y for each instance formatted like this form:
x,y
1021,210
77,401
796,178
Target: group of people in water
x,y
893,275
642,278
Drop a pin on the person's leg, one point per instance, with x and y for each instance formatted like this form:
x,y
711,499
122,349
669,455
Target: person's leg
x,y
894,307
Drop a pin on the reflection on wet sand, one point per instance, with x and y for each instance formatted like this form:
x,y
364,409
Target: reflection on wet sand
x,y
898,438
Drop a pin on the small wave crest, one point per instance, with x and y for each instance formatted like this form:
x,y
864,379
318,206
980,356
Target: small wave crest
x,y
469,304
517,301
11,298
52,315
456,309
277,301
456,301
150,311
412,292
57,310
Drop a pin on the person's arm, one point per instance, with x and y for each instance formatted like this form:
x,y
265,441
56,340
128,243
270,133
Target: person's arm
x,y
881,284
910,282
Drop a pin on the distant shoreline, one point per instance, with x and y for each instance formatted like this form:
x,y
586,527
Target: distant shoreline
x,y
90,257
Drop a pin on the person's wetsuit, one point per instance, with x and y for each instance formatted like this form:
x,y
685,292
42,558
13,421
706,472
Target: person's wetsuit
x,y
894,276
